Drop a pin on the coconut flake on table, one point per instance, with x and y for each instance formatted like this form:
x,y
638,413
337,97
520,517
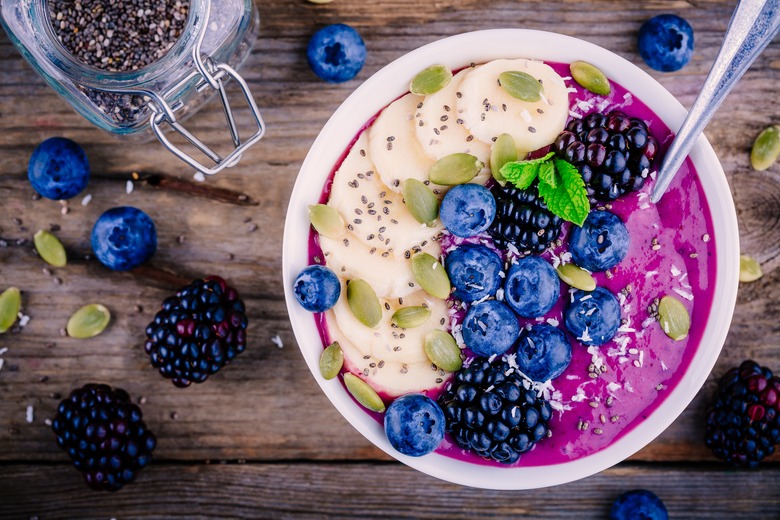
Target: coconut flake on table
x,y
277,340
29,414
86,200
23,320
129,187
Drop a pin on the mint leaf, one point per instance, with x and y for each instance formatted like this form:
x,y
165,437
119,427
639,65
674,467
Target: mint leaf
x,y
523,173
547,174
568,198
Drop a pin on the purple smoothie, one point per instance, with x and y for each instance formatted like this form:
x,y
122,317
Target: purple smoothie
x,y
672,252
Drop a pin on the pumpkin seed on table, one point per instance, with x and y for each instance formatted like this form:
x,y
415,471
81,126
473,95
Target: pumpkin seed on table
x,y
331,361
431,276
443,351
521,85
421,202
10,304
327,221
88,321
454,169
363,392
749,269
364,303
430,80
576,277
590,77
503,151
674,318
410,317
766,148
50,249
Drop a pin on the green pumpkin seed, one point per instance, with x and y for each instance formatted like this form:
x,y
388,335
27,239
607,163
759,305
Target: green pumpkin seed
x,y
88,321
10,303
50,249
443,351
327,220
410,317
454,169
421,202
364,303
576,277
363,392
521,85
430,80
590,77
766,148
331,361
430,275
503,151
674,318
749,269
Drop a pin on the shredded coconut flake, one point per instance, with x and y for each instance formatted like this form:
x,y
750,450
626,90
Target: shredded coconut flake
x,y
277,340
86,200
553,322
29,415
199,177
129,187
688,296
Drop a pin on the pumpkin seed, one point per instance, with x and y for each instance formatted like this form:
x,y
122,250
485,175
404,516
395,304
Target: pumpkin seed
x,y
503,151
363,392
50,249
521,85
430,80
331,360
88,321
766,148
749,269
327,220
420,201
364,302
430,275
674,318
454,169
410,317
590,77
443,351
10,303
576,277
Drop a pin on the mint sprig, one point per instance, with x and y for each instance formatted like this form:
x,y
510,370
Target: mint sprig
x,y
560,185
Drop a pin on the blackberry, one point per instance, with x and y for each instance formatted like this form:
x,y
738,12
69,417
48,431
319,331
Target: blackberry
x,y
104,435
489,411
612,152
197,332
523,220
743,422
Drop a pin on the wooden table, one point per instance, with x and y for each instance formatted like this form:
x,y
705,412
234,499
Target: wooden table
x,y
260,439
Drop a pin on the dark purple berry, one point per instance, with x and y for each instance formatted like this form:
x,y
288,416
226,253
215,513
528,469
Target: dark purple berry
x,y
523,220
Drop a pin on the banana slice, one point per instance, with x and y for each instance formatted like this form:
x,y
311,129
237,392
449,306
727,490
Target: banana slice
x,y
374,214
488,111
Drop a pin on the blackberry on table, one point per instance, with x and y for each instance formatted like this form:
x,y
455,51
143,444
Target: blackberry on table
x,y
743,422
197,332
490,412
104,435
523,220
613,153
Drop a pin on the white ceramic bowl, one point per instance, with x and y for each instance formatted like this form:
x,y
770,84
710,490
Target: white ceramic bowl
x,y
457,52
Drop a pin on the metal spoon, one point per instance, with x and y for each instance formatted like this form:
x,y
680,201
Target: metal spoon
x,y
752,26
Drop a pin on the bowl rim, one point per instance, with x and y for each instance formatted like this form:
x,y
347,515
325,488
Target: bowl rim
x,y
458,51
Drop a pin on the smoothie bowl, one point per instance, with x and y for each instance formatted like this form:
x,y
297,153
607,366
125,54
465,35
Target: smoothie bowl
x,y
506,307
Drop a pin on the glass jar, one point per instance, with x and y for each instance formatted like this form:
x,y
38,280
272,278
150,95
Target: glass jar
x,y
216,39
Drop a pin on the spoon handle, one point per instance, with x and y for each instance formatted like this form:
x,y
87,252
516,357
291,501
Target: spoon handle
x,y
752,26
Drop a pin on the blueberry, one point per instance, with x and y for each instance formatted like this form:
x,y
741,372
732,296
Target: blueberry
x,y
124,238
532,287
543,352
317,288
490,328
414,424
666,42
336,53
473,270
601,242
638,504
594,317
467,210
58,169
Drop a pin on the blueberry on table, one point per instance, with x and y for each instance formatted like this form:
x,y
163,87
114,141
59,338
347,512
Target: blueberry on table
x,y
414,424
58,169
638,504
124,238
317,288
490,328
467,210
532,287
474,271
593,317
543,352
336,53
666,42
601,243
